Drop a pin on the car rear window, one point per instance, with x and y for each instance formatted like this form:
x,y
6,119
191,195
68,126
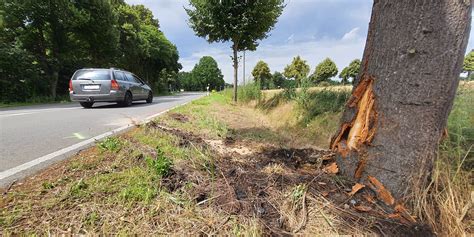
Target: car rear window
x,y
92,75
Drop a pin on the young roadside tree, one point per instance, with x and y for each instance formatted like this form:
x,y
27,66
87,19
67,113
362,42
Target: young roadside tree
x,y
468,65
350,71
298,69
324,71
241,22
207,72
394,120
261,74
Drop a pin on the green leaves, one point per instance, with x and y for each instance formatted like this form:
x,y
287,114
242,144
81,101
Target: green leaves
x,y
350,71
205,73
468,65
261,74
242,22
54,38
324,71
298,69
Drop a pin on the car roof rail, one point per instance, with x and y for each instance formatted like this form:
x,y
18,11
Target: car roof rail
x,y
116,68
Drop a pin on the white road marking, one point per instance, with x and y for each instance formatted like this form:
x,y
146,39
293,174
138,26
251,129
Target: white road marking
x,y
26,166
11,113
79,136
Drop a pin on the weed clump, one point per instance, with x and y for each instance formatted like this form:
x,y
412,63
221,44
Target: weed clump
x,y
162,165
112,144
249,93
78,188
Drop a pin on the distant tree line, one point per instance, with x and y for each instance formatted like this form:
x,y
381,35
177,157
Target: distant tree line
x,y
298,70
43,42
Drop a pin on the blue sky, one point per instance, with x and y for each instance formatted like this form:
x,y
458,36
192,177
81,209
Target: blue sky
x,y
313,29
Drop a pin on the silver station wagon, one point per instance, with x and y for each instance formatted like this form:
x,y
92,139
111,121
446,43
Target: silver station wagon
x,y
90,85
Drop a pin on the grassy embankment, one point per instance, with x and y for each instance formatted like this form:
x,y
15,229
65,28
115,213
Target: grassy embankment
x,y
213,167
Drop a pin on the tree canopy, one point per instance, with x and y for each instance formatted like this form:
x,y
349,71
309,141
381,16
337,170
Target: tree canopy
x,y
350,71
298,70
278,80
261,74
468,65
49,40
205,72
241,22
324,71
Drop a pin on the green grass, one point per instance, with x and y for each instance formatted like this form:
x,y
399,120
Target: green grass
x,y
161,165
461,131
249,92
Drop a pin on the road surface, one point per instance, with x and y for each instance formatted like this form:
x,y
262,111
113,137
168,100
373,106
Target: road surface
x,y
27,133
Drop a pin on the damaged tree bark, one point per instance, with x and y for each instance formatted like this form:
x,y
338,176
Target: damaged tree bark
x,y
403,94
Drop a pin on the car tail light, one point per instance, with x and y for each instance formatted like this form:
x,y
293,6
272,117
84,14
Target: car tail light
x,y
114,85
70,85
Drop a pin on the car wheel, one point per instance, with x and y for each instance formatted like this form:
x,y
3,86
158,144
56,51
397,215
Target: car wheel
x,y
128,100
150,97
87,105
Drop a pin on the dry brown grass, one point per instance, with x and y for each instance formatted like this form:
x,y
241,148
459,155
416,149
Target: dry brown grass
x,y
446,204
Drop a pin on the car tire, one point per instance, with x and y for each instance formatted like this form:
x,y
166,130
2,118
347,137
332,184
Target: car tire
x,y
87,105
149,100
127,100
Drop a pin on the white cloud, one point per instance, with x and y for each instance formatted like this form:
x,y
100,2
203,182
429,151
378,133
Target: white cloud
x,y
352,34
291,39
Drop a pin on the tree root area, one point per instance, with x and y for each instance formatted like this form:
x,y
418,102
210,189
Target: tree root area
x,y
286,189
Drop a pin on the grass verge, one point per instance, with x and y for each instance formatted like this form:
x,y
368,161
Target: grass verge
x,y
217,168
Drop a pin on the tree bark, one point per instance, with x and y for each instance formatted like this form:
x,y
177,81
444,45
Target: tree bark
x,y
403,94
236,67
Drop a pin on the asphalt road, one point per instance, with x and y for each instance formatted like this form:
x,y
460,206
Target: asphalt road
x,y
27,133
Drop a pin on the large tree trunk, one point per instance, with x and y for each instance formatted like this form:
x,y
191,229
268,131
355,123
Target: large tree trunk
x,y
401,99
236,67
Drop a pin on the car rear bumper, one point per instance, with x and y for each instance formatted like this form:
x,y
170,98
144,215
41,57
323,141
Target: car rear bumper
x,y
114,96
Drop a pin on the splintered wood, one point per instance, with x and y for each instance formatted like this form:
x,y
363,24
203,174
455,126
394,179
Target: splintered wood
x,y
362,128
382,193
356,188
332,168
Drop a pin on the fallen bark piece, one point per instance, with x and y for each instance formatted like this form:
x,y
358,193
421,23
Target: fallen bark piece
x,y
369,198
356,188
399,208
362,208
332,168
382,193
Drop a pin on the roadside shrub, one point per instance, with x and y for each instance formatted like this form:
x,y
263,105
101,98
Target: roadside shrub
x,y
249,93
110,144
161,165
286,95
312,104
